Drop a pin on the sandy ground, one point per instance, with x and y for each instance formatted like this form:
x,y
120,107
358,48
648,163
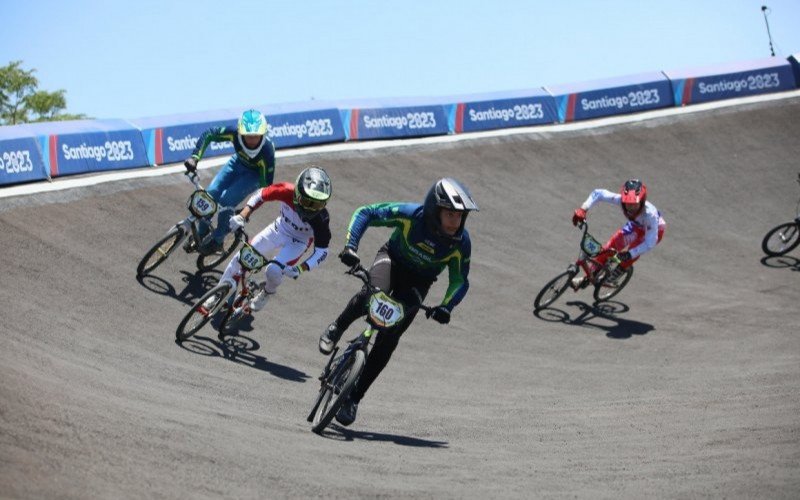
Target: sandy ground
x,y
688,385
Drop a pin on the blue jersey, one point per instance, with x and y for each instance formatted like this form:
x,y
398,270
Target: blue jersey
x,y
414,247
263,162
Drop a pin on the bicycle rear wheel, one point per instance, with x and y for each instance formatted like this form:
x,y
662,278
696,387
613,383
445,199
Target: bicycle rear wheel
x,y
335,392
160,251
608,287
553,289
212,260
202,311
781,239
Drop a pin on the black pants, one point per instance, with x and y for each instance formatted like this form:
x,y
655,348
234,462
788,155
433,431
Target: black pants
x,y
399,283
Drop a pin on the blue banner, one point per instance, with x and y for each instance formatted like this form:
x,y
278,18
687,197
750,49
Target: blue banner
x,y
617,96
20,158
289,129
502,110
696,85
82,146
389,119
171,138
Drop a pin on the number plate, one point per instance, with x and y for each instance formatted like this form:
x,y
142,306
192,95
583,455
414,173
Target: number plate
x,y
250,259
591,246
384,311
201,204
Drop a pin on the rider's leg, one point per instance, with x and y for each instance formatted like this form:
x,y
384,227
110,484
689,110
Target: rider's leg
x,y
381,277
357,307
240,182
402,287
289,251
221,181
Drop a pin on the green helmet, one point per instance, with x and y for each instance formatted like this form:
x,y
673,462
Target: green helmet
x,y
312,190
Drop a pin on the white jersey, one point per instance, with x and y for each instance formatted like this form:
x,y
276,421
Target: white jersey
x,y
648,221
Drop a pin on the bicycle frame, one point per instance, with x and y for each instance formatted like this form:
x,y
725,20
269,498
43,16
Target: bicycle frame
x,y
590,249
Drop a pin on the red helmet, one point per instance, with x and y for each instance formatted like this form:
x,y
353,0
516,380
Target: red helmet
x,y
634,194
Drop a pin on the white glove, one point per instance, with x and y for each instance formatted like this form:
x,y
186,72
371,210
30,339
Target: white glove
x,y
237,222
292,271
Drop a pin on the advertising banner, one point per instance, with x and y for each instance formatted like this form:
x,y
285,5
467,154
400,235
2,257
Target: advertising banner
x,y
20,158
293,125
502,110
696,85
82,146
616,96
391,119
171,138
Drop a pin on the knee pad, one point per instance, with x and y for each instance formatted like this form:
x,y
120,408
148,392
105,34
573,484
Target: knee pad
x,y
274,277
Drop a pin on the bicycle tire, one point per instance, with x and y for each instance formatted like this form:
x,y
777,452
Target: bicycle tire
x,y
198,315
161,250
553,289
328,401
212,260
785,245
606,289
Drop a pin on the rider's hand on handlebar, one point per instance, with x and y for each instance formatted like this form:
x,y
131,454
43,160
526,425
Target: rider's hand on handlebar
x,y
237,222
579,216
349,257
292,271
440,314
190,164
624,256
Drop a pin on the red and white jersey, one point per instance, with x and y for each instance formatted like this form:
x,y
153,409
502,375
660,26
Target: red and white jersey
x,y
289,222
649,220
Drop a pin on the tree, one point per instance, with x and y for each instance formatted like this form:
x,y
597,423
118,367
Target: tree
x,y
20,98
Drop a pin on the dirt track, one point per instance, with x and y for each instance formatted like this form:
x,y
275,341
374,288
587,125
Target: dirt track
x,y
690,387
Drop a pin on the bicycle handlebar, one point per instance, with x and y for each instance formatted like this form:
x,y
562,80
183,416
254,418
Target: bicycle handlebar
x,y
364,275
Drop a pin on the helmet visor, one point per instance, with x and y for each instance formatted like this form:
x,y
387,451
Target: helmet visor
x,y
310,204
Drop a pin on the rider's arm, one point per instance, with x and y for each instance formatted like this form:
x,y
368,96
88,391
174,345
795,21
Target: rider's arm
x,y
391,214
603,195
322,238
214,134
458,270
282,191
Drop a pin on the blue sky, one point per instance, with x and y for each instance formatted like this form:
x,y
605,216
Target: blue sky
x,y
144,58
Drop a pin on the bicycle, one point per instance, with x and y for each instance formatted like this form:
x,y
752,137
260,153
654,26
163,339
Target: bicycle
x,y
342,372
608,278
785,237
220,299
201,207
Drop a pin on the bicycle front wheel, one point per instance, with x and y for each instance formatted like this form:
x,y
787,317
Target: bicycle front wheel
x,y
609,287
212,260
160,251
553,289
781,239
202,312
335,392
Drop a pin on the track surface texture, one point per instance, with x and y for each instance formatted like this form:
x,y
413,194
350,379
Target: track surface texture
x,y
686,385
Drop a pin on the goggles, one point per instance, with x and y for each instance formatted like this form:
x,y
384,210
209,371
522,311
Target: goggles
x,y
310,204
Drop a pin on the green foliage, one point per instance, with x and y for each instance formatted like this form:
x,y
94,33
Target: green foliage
x,y
21,101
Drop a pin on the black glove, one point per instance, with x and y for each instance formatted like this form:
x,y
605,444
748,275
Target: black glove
x,y
624,256
440,314
190,164
349,257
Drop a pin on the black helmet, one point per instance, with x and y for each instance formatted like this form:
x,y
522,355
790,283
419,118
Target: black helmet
x,y
451,194
312,190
